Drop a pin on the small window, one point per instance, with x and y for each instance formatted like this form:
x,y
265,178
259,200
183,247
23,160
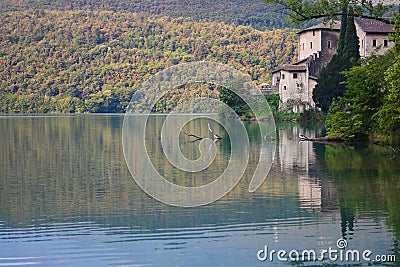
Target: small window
x,y
303,46
374,43
284,87
329,44
283,76
294,75
311,45
362,43
313,33
385,43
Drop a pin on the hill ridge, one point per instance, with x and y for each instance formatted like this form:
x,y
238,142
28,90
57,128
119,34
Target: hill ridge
x,y
239,12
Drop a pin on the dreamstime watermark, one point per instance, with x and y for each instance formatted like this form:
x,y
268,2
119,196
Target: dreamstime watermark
x,y
148,95
338,254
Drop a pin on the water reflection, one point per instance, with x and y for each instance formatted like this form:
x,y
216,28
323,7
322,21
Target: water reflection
x,y
67,198
299,158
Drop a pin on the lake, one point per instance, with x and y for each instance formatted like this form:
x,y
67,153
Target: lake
x,y
67,198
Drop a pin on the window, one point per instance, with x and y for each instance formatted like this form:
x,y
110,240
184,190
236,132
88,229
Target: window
x,y
313,33
294,75
385,43
303,46
374,43
311,45
329,44
283,76
362,43
284,87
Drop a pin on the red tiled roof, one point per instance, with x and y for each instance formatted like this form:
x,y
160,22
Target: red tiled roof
x,y
374,26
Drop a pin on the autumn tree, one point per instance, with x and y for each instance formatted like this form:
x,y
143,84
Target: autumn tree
x,y
81,61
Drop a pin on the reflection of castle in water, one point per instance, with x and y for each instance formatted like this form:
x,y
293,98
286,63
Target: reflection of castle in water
x,y
298,159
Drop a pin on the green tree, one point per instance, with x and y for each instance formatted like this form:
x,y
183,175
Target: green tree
x,y
352,116
370,108
342,35
234,101
351,47
330,83
273,102
306,10
388,117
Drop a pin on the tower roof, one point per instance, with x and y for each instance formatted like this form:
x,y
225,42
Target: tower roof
x,y
333,25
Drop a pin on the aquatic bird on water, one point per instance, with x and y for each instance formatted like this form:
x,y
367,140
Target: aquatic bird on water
x,y
215,136
303,137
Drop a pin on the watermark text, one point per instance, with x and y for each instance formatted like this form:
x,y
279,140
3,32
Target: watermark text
x,y
337,254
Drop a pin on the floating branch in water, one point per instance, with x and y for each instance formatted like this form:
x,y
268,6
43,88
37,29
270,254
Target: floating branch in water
x,y
215,136
332,139
193,135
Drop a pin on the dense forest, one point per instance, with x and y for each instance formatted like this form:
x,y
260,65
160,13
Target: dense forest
x,y
92,61
370,106
239,12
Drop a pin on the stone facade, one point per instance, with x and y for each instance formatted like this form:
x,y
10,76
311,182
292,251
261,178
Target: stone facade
x,y
373,36
317,45
319,41
293,82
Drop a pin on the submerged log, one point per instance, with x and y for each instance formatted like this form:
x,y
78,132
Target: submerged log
x,y
215,136
332,139
193,135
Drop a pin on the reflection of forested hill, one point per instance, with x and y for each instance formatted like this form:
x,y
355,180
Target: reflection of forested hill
x,y
239,12
84,61
73,167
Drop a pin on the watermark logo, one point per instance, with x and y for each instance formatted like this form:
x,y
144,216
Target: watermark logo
x,y
341,243
141,107
338,254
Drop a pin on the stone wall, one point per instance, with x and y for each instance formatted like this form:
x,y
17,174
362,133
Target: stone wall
x,y
309,43
329,43
367,47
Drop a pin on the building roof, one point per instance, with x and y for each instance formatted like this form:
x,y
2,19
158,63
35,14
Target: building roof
x,y
291,67
367,25
301,61
333,25
374,26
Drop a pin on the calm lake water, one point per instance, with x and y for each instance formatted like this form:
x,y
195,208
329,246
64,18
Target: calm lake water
x,y
67,199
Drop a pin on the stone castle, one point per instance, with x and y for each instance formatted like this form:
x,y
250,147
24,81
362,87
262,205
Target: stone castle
x,y
317,45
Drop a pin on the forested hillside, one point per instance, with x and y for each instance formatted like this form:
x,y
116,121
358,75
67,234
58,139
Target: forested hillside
x,y
240,12
83,61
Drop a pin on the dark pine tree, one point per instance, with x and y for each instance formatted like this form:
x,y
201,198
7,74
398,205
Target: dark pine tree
x,y
351,51
343,27
330,82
